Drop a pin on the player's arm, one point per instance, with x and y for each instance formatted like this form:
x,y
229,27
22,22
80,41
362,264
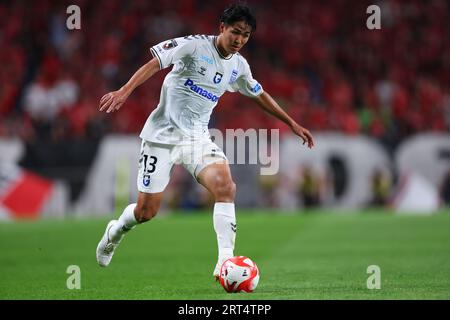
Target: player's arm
x,y
268,104
112,101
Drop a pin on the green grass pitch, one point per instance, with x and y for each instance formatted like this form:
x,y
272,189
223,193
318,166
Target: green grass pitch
x,y
300,256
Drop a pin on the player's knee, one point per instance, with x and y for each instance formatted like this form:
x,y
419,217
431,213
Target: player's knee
x,y
225,191
144,213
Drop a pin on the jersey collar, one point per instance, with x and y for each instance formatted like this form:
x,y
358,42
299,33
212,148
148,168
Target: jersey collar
x,y
217,49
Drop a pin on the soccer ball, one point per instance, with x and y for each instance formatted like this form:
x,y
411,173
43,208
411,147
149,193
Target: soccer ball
x,y
239,274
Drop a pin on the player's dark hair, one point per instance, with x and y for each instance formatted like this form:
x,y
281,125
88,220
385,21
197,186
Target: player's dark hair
x,y
236,13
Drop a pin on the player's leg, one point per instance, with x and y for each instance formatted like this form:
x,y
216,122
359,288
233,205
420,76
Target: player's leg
x,y
216,177
153,176
145,209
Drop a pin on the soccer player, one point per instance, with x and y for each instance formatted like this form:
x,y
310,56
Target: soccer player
x,y
204,68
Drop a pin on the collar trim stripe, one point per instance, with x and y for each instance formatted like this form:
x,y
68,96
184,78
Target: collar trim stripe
x,y
217,49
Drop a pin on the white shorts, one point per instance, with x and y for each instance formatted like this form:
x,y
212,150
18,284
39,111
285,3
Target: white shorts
x,y
157,160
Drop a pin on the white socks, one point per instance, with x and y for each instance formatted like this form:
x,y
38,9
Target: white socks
x,y
225,226
126,222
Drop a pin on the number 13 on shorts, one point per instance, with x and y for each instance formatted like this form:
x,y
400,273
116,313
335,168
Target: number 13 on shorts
x,y
154,168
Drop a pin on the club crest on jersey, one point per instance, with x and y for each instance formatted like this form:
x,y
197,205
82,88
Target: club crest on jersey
x,y
146,180
218,77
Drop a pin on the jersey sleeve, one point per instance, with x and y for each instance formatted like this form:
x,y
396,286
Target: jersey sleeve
x,y
245,83
170,51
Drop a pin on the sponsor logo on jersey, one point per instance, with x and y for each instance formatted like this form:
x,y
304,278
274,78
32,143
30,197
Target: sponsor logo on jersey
x,y
218,77
207,59
200,91
233,77
256,88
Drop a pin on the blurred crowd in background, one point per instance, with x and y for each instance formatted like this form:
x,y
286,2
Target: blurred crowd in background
x,y
316,58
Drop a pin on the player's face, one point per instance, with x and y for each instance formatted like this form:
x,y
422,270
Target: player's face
x,y
235,36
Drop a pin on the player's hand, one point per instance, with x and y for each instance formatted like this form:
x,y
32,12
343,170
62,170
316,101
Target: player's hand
x,y
304,134
113,101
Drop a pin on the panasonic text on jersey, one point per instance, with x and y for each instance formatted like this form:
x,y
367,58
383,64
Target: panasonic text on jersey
x,y
200,91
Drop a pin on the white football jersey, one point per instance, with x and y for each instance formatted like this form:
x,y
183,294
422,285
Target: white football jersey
x,y
189,93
